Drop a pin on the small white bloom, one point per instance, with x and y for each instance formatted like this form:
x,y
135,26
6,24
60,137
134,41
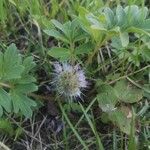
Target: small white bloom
x,y
69,80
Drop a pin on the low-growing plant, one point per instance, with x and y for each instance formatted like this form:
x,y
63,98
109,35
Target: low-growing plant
x,y
16,82
122,33
92,71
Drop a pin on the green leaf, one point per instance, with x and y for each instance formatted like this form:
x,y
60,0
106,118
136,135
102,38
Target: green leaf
x,y
26,88
5,100
22,103
28,64
120,15
96,24
26,79
11,66
119,118
85,48
132,14
124,38
146,25
16,73
127,93
57,35
109,15
57,24
67,30
59,53
107,98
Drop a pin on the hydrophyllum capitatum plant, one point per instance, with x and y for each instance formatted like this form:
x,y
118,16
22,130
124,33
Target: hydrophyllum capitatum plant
x,y
69,80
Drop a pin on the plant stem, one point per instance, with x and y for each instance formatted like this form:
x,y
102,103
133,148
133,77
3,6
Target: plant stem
x,y
132,73
99,45
5,85
2,145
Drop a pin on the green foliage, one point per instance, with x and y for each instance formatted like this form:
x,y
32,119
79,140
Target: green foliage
x,y
3,12
70,33
11,67
109,96
122,22
60,52
126,93
111,42
120,25
16,82
119,118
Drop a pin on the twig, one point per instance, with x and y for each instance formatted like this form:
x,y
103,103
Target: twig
x,y
125,76
33,95
2,145
5,85
139,86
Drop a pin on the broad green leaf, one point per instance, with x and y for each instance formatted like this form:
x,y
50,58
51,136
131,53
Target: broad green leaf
x,y
15,72
22,104
26,88
26,79
120,15
79,35
67,30
127,93
5,100
96,24
57,35
124,39
143,12
28,63
12,67
85,48
107,98
57,24
146,25
60,53
132,14
110,18
119,118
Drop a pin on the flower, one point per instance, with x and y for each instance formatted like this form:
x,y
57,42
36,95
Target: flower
x,y
69,80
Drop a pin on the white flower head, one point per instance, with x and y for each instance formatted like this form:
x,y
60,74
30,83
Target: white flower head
x,y
69,80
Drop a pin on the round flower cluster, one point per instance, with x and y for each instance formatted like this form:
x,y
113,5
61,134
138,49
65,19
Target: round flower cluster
x,y
69,80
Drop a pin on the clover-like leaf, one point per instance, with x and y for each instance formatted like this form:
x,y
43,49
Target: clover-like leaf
x,y
120,118
126,93
107,98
